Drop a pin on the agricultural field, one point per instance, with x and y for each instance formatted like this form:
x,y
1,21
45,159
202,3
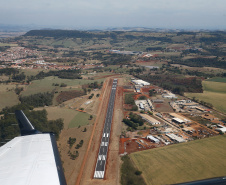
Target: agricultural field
x,y
214,93
213,86
195,160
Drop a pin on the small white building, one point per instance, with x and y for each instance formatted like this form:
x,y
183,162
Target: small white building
x,y
140,82
221,128
141,105
169,95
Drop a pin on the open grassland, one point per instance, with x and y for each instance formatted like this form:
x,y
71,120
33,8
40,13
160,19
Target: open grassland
x,y
8,99
218,79
46,85
80,119
8,96
57,112
185,162
29,72
214,93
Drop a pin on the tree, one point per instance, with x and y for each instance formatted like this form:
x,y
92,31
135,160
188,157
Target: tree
x,y
152,92
137,172
91,117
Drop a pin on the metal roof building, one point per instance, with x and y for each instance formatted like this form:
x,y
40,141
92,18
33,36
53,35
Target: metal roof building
x,y
176,138
150,119
152,138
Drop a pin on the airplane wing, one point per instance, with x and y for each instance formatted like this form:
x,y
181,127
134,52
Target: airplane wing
x,y
30,159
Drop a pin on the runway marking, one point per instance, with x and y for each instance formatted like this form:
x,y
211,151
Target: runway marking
x,y
100,164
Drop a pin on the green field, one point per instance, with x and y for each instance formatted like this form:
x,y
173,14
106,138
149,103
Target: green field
x,y
81,119
212,86
57,112
8,96
185,162
214,93
217,79
45,85
8,99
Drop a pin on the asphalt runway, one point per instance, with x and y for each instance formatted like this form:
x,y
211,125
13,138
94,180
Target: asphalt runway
x,y
102,155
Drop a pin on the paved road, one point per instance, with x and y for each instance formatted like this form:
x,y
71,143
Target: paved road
x,y
102,155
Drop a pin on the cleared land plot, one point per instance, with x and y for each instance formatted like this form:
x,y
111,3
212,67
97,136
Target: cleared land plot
x,y
81,119
185,162
214,93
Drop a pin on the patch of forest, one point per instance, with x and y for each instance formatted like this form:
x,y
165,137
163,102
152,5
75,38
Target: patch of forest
x,y
9,128
176,83
38,100
202,62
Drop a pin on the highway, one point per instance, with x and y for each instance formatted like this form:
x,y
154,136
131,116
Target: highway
x,y
103,150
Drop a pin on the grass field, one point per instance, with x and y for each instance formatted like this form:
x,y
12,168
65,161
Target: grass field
x,y
212,86
56,112
218,79
218,100
8,99
185,162
214,93
8,96
45,85
81,119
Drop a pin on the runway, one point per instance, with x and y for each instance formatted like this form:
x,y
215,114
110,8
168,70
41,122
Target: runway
x,y
103,150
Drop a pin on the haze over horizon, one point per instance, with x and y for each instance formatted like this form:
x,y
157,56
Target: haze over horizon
x,y
87,14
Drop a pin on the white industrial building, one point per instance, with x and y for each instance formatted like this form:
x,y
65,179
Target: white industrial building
x,y
221,128
176,138
169,95
152,138
140,82
179,119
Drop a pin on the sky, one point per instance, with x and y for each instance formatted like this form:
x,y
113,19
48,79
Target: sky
x,y
82,14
